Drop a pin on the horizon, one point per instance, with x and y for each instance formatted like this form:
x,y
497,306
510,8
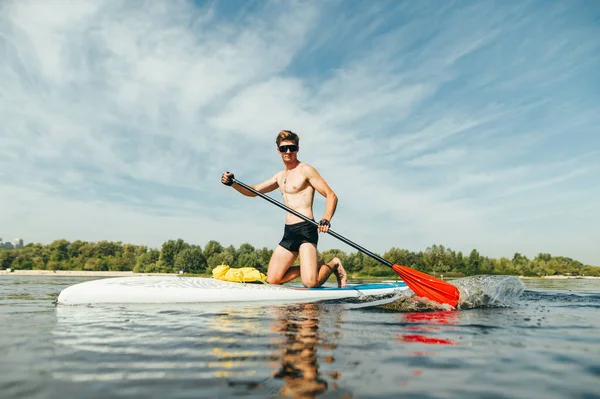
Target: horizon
x,y
471,125
347,252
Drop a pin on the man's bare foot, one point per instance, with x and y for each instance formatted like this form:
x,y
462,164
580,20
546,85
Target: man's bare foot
x,y
340,272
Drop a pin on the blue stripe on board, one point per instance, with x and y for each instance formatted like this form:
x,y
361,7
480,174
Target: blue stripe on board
x,y
361,287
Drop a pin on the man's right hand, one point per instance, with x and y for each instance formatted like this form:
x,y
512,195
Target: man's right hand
x,y
227,178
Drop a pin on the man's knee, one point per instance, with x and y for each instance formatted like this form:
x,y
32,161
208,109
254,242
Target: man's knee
x,y
274,280
310,282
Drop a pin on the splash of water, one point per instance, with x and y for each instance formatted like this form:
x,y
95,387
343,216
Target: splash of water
x,y
488,291
475,291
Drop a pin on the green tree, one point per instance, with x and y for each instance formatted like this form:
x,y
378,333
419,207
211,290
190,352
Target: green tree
x,y
538,267
75,248
140,250
25,264
211,248
169,251
107,255
473,263
78,262
264,257
373,267
6,258
438,259
86,251
223,258
518,258
418,261
398,256
327,256
22,261
460,264
59,251
191,259
354,262
108,248
593,271
503,266
552,267
145,260
155,267
248,260
128,257
543,257
54,265
96,264
246,249
234,252
380,271
115,263
486,266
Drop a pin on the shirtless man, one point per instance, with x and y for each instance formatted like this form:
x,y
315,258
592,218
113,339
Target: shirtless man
x,y
298,182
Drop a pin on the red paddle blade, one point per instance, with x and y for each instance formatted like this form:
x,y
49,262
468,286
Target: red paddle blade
x,y
427,286
425,340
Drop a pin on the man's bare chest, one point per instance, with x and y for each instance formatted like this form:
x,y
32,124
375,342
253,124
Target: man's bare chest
x,y
293,183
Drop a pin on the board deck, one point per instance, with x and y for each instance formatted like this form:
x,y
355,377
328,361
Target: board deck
x,y
179,289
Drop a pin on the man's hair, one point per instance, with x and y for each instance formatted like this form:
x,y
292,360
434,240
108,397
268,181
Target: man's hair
x,y
287,135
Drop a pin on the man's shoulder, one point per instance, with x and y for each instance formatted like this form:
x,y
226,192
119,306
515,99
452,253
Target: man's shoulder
x,y
306,168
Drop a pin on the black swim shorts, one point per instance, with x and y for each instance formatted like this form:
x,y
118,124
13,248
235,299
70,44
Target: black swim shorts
x,y
298,233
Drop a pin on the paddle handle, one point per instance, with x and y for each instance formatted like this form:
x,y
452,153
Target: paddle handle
x,y
301,216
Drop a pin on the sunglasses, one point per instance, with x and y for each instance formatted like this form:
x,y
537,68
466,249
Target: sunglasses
x,y
285,148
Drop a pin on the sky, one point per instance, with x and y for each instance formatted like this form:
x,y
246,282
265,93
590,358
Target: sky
x,y
468,124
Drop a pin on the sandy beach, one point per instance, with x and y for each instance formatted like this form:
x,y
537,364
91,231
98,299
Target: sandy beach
x,y
79,273
564,277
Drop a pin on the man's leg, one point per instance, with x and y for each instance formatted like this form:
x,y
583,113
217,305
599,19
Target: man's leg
x,y
314,273
280,266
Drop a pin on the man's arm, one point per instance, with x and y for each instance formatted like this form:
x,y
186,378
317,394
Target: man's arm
x,y
265,187
315,180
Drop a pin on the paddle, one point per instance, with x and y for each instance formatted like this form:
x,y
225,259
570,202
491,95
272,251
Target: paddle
x,y
422,284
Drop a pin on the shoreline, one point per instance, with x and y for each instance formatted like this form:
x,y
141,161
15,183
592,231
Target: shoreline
x,y
562,277
86,273
79,273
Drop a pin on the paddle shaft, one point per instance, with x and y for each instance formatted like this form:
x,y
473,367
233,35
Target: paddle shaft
x,y
333,233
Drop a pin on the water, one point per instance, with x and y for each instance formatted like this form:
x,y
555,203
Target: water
x,y
546,345
475,292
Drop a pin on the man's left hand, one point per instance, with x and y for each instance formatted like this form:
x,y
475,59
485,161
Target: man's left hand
x,y
324,226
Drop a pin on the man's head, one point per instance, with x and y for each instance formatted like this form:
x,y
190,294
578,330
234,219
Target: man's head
x,y
287,143
287,135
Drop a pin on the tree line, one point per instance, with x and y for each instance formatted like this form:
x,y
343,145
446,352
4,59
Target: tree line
x,y
176,255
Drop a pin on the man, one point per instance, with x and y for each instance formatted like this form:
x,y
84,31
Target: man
x,y
297,183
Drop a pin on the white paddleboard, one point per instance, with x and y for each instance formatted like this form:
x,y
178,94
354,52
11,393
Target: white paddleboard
x,y
176,289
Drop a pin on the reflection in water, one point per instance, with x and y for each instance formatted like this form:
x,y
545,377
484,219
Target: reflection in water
x,y
299,363
428,322
209,343
425,328
225,348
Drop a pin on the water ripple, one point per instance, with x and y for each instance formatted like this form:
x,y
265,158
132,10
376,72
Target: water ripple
x,y
545,345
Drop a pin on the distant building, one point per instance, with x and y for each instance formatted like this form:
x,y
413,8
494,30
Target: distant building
x,y
14,244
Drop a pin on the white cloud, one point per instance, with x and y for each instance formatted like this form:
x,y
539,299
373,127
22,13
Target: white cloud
x,y
438,158
116,121
48,217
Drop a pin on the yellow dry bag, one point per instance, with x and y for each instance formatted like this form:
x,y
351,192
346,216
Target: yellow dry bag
x,y
238,275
